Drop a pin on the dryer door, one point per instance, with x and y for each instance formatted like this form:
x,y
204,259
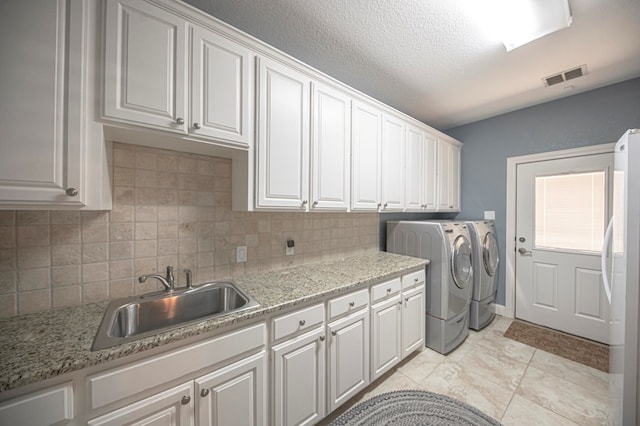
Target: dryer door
x,y
490,255
461,269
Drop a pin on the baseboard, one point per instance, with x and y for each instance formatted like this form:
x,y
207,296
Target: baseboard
x,y
499,309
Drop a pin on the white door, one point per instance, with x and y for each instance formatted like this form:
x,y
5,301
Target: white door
x,y
392,163
365,160
220,87
561,211
299,379
385,334
234,395
413,320
348,362
283,137
330,149
145,65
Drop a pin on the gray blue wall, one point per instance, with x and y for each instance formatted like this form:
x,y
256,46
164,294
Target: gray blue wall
x,y
590,118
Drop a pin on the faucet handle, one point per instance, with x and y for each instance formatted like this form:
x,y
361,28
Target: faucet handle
x,y
189,278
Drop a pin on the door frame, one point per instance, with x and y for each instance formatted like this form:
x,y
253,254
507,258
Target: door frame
x,y
509,308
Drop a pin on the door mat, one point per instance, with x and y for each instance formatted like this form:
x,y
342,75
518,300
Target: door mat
x,y
587,352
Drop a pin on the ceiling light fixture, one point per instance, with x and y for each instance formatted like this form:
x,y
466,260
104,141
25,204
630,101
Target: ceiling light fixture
x,y
522,21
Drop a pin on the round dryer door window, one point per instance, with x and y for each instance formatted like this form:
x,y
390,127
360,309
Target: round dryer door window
x,y
490,255
461,262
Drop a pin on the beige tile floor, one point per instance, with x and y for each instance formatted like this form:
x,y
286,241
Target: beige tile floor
x,y
510,381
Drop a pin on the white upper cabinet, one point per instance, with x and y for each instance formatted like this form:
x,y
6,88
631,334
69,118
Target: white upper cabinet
x,y
420,185
148,52
393,163
448,175
365,166
145,65
220,87
282,151
50,157
330,149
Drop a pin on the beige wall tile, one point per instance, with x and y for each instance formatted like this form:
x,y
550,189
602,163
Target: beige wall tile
x,y
121,288
65,275
66,296
7,236
146,248
123,176
8,306
7,217
93,272
7,282
34,301
33,235
146,231
121,213
95,232
120,269
32,217
66,255
95,252
121,250
34,257
121,232
65,234
33,279
95,292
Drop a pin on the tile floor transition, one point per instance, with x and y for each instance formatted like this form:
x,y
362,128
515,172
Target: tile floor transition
x,y
508,380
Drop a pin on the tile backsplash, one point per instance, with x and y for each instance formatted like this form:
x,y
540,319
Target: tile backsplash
x,y
169,208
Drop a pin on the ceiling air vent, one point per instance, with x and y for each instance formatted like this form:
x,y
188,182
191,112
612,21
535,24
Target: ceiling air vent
x,y
565,76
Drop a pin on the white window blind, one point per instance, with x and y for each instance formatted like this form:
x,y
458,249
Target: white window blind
x,y
570,211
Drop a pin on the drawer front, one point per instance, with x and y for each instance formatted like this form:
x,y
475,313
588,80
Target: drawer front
x,y
298,321
117,384
41,408
385,289
349,303
413,279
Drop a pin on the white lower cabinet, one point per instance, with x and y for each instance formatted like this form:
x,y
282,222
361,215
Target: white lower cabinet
x,y
299,368
385,336
348,357
49,406
172,407
234,395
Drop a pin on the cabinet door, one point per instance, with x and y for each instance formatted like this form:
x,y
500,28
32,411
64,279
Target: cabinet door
x,y
173,407
413,320
299,379
145,65
330,149
385,335
430,174
234,395
415,168
348,363
448,176
220,87
392,160
41,155
365,160
283,137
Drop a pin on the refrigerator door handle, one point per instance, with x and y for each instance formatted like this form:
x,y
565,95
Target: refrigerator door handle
x,y
603,259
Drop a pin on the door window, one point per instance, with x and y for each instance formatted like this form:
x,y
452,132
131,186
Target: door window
x,y
461,262
490,254
570,211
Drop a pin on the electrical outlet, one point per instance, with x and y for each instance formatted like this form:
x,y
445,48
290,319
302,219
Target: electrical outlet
x,y
241,254
290,248
489,215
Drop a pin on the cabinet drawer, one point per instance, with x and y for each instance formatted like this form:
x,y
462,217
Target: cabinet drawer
x,y
349,303
126,381
385,289
295,322
41,408
413,279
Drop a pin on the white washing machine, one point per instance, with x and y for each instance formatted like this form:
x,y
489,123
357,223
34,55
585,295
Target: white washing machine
x,y
486,258
449,281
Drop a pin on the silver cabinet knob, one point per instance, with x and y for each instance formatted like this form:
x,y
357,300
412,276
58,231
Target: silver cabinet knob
x,y
185,399
415,280
204,392
315,203
352,304
385,205
406,299
334,333
388,290
379,204
305,202
196,126
71,192
322,338
302,322
180,120
400,302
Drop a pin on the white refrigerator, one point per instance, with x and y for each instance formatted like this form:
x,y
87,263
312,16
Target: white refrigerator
x,y
621,274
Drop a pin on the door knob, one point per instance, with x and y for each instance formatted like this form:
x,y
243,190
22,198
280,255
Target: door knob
x,y
71,192
523,251
180,120
196,126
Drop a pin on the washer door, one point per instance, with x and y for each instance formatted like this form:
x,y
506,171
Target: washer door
x,y
461,269
490,255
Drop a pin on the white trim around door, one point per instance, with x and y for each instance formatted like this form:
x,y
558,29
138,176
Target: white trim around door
x,y
510,247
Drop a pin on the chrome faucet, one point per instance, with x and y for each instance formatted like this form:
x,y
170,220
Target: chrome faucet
x,y
168,282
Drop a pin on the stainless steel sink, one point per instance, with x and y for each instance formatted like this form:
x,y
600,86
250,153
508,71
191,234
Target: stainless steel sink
x,y
140,316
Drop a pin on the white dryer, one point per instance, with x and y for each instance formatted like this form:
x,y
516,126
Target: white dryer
x,y
449,280
486,257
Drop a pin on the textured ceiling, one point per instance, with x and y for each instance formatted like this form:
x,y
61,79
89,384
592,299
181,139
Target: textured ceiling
x,y
433,60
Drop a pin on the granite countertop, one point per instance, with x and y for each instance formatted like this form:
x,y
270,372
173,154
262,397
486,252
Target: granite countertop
x,y
43,345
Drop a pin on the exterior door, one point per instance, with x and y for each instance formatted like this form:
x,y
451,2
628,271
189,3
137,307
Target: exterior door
x,y
561,211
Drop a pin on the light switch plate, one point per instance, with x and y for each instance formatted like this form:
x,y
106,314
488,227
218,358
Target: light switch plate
x,y
241,254
489,215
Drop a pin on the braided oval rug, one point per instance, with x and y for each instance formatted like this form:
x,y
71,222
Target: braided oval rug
x,y
413,408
